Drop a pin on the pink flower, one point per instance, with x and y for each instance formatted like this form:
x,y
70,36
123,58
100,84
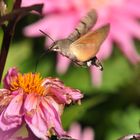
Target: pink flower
x,y
62,17
37,102
76,132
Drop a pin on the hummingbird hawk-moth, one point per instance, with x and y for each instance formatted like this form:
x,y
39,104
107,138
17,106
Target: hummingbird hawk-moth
x,y
82,45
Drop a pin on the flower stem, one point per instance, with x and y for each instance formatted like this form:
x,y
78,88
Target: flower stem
x,y
7,37
5,48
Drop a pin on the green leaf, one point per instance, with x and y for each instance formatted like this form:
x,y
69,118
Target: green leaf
x,y
116,73
76,112
18,55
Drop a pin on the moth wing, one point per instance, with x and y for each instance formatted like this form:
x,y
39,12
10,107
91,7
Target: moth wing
x,y
84,26
89,44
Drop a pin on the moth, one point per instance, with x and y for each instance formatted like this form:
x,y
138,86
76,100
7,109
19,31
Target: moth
x,y
82,45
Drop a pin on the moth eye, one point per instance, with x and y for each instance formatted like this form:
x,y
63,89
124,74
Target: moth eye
x,y
56,48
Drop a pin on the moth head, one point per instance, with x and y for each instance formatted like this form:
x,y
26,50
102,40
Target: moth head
x,y
56,46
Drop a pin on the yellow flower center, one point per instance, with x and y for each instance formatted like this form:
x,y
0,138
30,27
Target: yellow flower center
x,y
29,83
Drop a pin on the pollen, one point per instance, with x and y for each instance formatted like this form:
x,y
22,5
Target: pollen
x,y
29,83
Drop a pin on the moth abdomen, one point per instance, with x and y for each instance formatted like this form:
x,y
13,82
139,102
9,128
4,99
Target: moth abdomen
x,y
84,26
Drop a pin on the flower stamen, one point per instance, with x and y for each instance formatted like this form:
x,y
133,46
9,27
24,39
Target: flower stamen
x,y
30,83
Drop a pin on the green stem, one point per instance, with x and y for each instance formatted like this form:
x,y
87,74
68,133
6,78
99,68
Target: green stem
x,y
7,37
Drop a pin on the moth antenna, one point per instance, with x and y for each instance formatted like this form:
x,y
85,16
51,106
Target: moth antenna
x,y
46,35
50,38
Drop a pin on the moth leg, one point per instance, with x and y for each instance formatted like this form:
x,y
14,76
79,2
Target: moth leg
x,y
89,63
80,64
95,61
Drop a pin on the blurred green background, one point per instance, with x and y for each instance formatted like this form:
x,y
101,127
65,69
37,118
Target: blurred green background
x,y
112,110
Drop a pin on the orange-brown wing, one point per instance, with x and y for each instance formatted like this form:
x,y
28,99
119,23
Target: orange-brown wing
x,y
87,46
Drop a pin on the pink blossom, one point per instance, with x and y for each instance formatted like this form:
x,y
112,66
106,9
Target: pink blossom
x,y
76,132
61,18
28,98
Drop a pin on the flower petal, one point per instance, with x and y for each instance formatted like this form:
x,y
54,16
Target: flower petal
x,y
73,94
75,131
61,93
12,73
126,45
5,98
31,102
88,134
26,3
34,117
128,48
36,131
127,25
44,120
3,93
11,117
48,22
66,95
53,117
96,75
132,8
62,64
105,50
